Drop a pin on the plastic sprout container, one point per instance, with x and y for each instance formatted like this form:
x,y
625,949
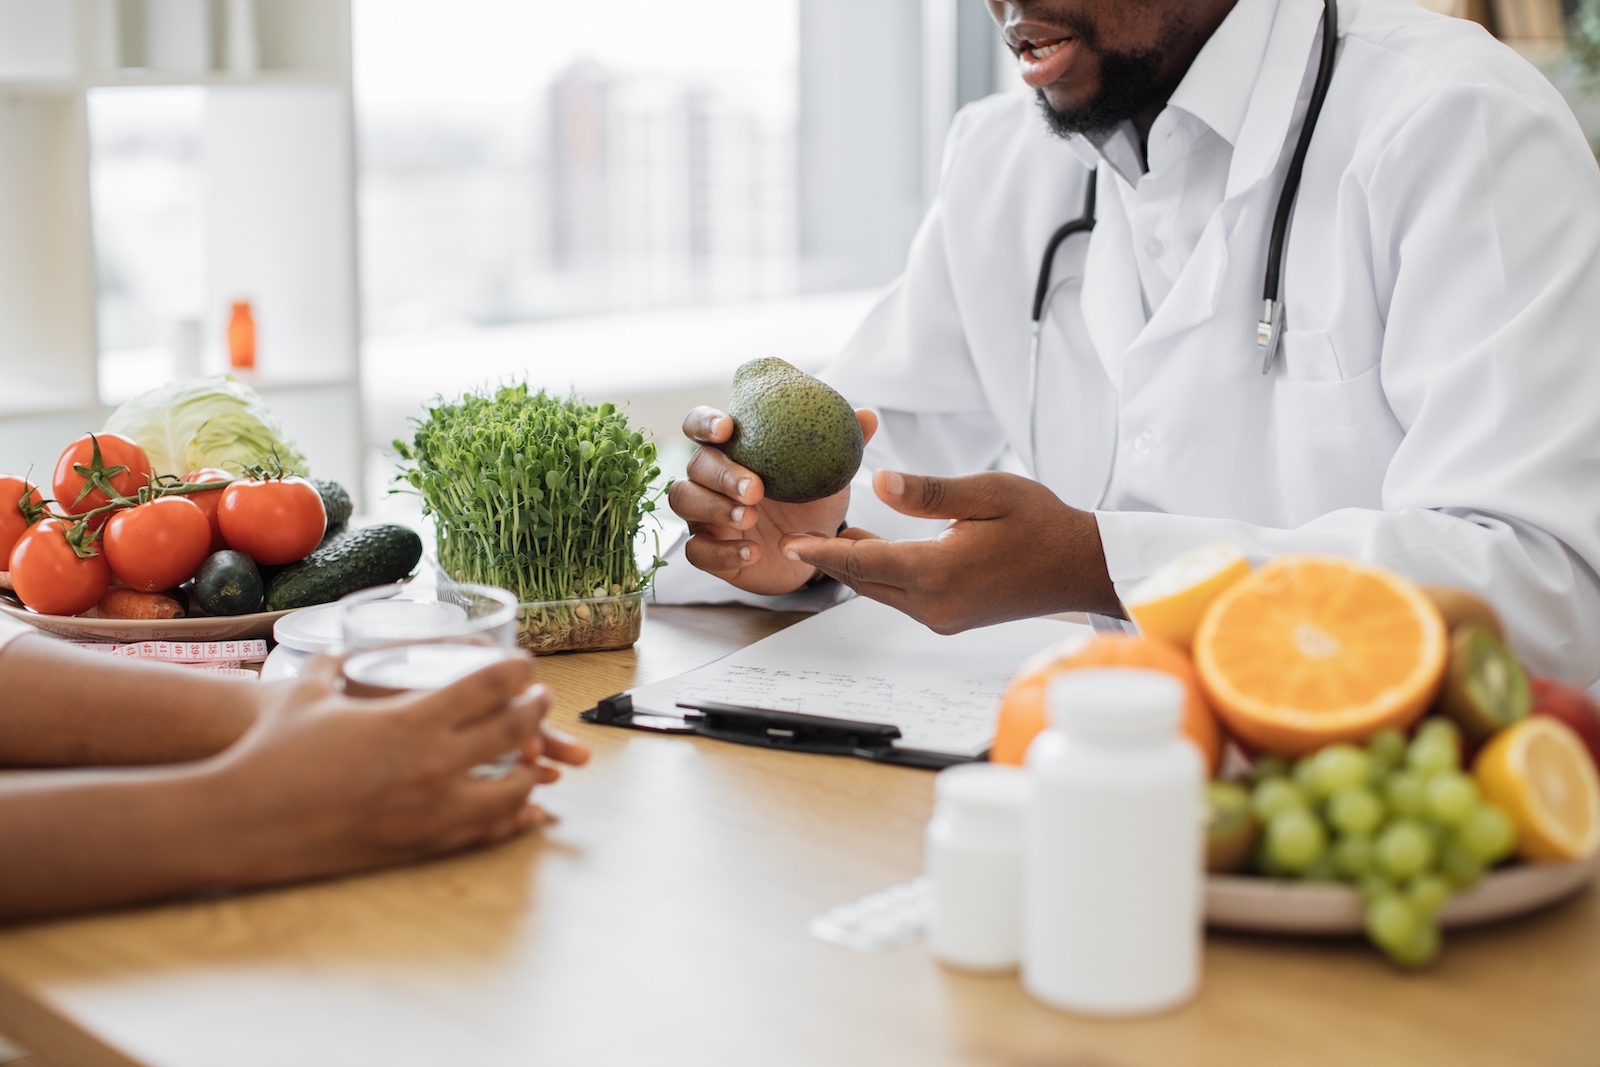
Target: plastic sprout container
x,y
591,624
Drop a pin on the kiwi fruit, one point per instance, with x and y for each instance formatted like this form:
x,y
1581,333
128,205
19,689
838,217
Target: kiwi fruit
x,y
1485,688
1232,831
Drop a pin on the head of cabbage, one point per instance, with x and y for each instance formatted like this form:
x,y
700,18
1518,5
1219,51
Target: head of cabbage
x,y
205,422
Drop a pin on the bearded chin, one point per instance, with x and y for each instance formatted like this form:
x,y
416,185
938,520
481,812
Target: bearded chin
x,y
1130,85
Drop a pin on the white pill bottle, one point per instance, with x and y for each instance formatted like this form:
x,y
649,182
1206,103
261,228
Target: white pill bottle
x,y
974,858
1113,848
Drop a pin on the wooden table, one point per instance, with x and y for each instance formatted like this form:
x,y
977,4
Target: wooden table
x,y
663,922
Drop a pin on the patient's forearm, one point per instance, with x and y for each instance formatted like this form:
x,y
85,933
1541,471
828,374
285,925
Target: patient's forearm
x,y
61,706
85,839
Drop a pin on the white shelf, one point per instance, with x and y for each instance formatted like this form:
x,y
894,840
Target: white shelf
x,y
134,78
21,399
46,89
126,373
277,155
39,87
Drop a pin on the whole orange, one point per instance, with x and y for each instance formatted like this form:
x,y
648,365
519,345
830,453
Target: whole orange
x,y
1023,711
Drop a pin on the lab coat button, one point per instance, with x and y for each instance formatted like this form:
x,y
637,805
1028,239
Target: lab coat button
x,y
1143,442
1155,248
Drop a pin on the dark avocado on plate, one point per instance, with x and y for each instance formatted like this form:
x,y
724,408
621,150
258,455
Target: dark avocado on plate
x,y
229,583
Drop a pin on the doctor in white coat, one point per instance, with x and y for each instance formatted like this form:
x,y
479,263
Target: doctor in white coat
x,y
1434,407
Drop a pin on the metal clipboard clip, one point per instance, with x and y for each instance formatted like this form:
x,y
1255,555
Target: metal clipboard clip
x,y
766,728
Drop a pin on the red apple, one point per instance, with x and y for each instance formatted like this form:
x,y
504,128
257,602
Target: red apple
x,y
1572,706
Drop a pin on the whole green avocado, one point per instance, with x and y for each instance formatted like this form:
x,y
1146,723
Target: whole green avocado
x,y
802,438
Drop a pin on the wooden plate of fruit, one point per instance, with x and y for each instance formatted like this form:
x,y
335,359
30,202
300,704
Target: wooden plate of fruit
x,y
1288,906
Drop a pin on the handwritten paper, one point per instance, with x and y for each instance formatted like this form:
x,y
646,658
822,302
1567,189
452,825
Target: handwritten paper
x,y
867,662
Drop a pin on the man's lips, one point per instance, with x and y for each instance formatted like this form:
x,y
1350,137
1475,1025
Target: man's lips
x,y
1042,61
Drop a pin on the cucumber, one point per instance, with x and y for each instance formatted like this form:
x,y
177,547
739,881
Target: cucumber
x,y
353,560
228,583
336,503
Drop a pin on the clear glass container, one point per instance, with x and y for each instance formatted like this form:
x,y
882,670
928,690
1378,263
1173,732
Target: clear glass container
x,y
405,639
591,624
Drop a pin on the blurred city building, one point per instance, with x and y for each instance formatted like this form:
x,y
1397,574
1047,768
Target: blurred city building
x,y
611,191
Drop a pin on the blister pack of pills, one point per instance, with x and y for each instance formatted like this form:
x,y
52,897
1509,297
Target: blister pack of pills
x,y
879,923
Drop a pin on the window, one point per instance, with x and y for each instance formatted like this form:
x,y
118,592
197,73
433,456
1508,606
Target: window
x,y
522,161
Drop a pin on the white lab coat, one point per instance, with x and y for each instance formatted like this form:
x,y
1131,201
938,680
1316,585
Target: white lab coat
x,y
1436,407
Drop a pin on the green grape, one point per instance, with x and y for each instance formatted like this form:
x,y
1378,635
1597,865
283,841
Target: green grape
x,y
1304,777
1392,921
1487,834
1420,949
1373,886
1295,839
1405,848
1406,793
1323,870
1352,856
1356,811
1267,864
1429,892
1450,798
1339,767
1269,766
1457,863
1439,727
1387,749
1274,795
1434,749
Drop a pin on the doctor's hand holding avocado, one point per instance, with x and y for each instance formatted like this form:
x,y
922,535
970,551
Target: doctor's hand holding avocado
x,y
1013,549
737,532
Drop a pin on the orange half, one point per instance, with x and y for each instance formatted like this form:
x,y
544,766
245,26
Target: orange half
x,y
1310,650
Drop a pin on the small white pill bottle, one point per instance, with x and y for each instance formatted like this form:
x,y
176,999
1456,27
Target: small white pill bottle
x,y
1112,908
974,862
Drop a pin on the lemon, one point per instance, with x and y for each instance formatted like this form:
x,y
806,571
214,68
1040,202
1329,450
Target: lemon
x,y
1168,604
1540,774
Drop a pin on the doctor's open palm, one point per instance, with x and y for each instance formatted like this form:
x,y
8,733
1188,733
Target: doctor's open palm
x,y
736,530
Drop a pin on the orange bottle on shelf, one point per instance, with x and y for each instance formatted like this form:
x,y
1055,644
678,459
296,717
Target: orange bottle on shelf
x,y
242,337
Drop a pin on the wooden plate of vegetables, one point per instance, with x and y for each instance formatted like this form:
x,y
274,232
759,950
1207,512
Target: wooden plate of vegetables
x,y
192,628
124,552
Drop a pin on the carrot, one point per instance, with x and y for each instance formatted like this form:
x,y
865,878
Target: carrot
x,y
124,603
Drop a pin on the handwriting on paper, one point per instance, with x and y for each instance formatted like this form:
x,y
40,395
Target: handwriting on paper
x,y
869,663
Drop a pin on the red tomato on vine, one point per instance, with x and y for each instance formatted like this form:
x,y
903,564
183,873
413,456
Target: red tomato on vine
x,y
272,520
51,577
157,546
209,500
91,464
15,517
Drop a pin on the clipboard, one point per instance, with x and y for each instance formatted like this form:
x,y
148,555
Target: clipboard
x,y
860,679
767,728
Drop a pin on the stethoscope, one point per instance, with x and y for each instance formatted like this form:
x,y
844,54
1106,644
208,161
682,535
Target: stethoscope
x,y
1269,331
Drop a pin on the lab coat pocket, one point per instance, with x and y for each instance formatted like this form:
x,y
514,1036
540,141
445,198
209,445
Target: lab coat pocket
x,y
1335,441
1308,356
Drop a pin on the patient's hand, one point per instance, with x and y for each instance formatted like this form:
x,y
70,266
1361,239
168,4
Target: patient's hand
x,y
326,783
736,532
